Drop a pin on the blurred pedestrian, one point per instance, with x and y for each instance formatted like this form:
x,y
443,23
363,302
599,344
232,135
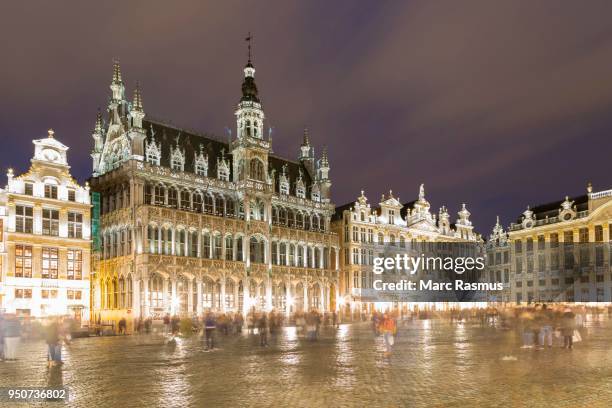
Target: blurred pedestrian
x,y
52,338
568,325
262,327
388,327
210,325
12,335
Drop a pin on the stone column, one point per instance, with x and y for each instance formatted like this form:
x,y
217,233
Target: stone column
x,y
136,298
322,300
268,294
146,306
165,300
190,297
305,283
223,294
199,297
287,297
246,297
172,305
236,293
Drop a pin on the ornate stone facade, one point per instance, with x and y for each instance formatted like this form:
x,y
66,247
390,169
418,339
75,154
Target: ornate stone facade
x,y
189,222
366,231
45,238
560,251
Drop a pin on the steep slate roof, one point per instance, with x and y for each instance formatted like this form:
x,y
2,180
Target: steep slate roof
x,y
552,209
190,141
405,207
340,209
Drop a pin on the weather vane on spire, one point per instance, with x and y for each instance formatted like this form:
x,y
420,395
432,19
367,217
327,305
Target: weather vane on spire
x,y
248,40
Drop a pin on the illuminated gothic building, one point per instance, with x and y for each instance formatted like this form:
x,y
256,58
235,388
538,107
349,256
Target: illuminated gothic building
x,y
366,232
45,237
190,223
560,251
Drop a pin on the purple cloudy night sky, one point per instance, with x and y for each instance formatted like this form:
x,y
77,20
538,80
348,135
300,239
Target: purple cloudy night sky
x,y
498,104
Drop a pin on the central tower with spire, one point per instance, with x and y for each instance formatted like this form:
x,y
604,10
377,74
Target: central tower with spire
x,y
249,150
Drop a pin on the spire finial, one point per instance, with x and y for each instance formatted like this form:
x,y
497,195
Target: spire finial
x,y
116,71
248,40
324,158
50,132
137,99
306,141
98,126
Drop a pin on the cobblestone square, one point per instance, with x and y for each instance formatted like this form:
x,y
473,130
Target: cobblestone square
x,y
434,363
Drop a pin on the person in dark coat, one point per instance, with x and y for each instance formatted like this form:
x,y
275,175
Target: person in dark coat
x,y
568,325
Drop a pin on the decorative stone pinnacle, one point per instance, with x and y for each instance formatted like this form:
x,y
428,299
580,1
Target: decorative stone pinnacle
x,y
306,141
116,72
50,133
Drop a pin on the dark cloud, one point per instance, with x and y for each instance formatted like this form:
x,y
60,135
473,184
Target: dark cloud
x,y
497,104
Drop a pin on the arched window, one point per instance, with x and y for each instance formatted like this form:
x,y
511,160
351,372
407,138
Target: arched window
x,y
306,221
153,239
208,204
257,250
316,226
381,239
172,197
156,292
229,248
239,252
229,294
309,257
299,220
122,293
257,170
180,243
248,128
182,292
274,215
207,293
230,210
219,204
282,216
291,255
206,245
193,244
115,293
392,240
148,193
290,218
317,260
274,253
218,250
130,292
326,258
108,294
283,253
159,195
185,200
300,256
166,239
197,201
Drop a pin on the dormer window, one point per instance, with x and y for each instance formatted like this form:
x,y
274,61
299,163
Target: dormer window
x,y
201,164
223,174
177,160
50,191
316,196
153,153
284,188
71,195
29,189
299,192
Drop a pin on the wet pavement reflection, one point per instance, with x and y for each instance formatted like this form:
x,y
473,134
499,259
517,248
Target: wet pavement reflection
x,y
434,363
